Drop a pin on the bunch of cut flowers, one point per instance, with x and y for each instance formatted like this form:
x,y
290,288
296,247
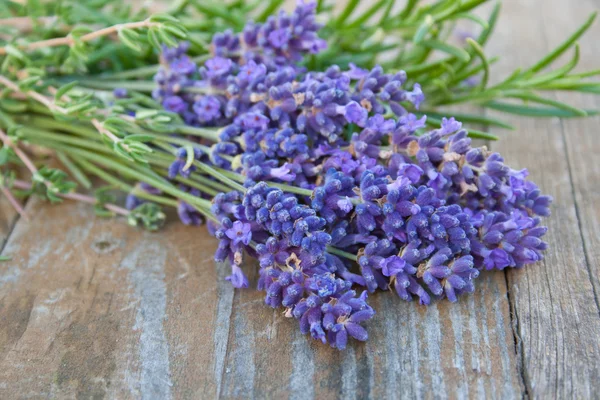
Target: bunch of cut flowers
x,y
319,150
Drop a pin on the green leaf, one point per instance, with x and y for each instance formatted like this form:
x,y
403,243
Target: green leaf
x,y
175,30
139,147
346,12
115,124
388,11
144,114
5,154
130,38
13,51
64,90
163,18
120,150
149,215
153,39
549,102
5,258
372,43
139,138
476,134
27,83
269,10
475,18
532,111
423,29
492,20
472,118
563,84
13,106
166,38
408,8
83,106
486,66
554,54
365,15
586,74
189,157
425,67
457,52
554,75
80,30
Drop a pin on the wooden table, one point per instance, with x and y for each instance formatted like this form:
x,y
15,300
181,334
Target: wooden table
x,y
91,308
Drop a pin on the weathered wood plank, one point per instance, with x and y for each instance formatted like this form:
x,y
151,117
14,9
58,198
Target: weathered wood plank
x,y
94,307
556,315
459,350
581,139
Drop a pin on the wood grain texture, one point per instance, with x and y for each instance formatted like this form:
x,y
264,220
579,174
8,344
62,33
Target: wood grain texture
x,y
553,302
94,308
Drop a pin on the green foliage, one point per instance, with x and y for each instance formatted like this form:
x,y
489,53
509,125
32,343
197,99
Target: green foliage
x,y
103,197
49,183
88,48
149,215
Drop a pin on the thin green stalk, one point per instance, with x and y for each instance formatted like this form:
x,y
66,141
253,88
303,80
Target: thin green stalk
x,y
195,184
140,86
341,253
77,173
133,174
100,173
216,174
200,132
51,123
213,172
144,72
32,134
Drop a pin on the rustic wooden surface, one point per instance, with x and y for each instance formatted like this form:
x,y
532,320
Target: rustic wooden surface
x,y
91,308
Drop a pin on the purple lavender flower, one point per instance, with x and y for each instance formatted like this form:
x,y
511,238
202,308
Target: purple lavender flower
x,y
239,233
237,278
174,104
207,109
393,206
182,65
120,93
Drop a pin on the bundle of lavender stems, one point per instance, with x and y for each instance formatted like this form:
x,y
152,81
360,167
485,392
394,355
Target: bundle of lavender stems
x,y
334,185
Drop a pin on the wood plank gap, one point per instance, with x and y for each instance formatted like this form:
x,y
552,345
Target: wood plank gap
x,y
519,351
577,211
512,311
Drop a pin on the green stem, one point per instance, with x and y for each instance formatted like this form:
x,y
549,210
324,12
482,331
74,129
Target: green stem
x,y
133,174
212,171
201,132
100,173
74,169
341,253
146,71
140,86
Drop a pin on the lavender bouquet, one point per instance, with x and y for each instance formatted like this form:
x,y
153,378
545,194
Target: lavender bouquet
x,y
292,146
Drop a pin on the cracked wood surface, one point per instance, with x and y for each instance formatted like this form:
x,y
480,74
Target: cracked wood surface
x,y
554,304
95,308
